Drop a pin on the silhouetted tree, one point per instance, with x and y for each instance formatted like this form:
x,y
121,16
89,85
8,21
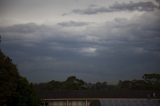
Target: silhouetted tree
x,y
72,83
152,80
14,89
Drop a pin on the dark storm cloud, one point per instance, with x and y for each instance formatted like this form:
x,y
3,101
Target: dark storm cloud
x,y
118,48
158,1
117,7
73,24
139,6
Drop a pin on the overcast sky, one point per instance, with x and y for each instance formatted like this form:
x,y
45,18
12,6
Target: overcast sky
x,y
95,40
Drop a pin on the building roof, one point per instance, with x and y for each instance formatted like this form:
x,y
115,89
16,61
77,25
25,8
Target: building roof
x,y
97,94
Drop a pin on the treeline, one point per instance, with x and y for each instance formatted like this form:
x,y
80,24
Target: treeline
x,y
15,90
148,82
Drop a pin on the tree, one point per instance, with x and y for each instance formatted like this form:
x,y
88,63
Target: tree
x,y
125,84
152,80
8,78
99,86
54,85
72,83
14,89
139,85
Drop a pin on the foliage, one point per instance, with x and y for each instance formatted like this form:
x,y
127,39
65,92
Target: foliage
x,y
152,80
72,83
149,82
15,90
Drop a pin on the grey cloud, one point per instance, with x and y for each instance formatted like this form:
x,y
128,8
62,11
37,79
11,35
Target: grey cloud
x,y
32,32
117,7
135,36
139,6
73,24
158,1
130,45
92,10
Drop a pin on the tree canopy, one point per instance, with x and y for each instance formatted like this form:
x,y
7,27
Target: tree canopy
x,y
148,82
15,89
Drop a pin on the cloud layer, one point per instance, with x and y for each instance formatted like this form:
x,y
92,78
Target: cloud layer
x,y
118,7
115,48
123,44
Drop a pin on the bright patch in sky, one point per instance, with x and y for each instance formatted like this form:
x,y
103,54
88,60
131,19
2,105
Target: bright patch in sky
x,y
89,50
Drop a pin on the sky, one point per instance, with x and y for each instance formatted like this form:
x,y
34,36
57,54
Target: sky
x,y
95,40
